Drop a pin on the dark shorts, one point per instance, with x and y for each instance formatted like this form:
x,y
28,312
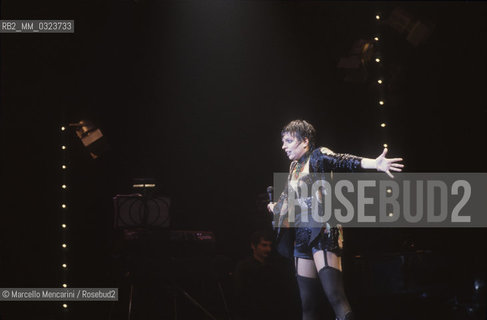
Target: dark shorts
x,y
305,247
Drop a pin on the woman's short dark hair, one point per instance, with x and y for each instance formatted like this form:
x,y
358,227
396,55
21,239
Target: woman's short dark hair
x,y
301,129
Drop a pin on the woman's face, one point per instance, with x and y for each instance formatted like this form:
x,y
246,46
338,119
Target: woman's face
x,y
293,147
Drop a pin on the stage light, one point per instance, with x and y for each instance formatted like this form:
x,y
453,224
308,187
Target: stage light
x,y
377,60
63,186
63,206
91,137
354,65
64,265
63,147
415,30
389,190
390,214
65,285
379,81
377,17
383,125
64,245
63,226
63,128
376,38
63,167
385,145
65,306
381,102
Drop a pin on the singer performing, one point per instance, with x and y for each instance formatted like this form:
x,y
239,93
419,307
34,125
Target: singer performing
x,y
316,251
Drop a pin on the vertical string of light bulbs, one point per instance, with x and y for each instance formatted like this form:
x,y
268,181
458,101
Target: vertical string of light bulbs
x,y
64,210
381,97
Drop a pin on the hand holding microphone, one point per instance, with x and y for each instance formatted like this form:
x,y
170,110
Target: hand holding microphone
x,y
270,205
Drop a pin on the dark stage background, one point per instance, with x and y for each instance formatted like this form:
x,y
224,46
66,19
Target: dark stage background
x,y
194,94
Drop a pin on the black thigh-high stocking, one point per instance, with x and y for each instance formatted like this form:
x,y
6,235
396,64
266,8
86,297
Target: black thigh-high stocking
x,y
309,290
332,282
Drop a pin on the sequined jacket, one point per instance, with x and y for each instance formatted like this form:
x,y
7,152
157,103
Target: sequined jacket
x,y
320,160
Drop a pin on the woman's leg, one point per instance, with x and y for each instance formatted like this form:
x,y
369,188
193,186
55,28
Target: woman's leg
x,y
309,287
329,268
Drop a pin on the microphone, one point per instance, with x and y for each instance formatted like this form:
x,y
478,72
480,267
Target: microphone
x,y
270,189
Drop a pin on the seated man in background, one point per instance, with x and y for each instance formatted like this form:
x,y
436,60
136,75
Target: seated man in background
x,y
265,287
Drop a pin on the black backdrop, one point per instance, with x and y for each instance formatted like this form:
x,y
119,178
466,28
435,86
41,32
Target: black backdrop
x,y
194,93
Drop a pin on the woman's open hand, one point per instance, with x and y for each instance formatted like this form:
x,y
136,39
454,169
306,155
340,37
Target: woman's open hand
x,y
387,165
